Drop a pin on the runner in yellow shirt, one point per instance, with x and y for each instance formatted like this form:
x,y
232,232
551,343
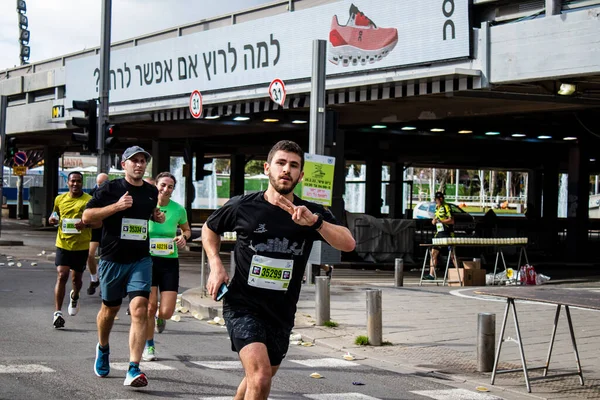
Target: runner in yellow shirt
x,y
72,244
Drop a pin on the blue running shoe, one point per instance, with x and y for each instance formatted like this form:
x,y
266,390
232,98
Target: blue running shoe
x,y
101,366
135,378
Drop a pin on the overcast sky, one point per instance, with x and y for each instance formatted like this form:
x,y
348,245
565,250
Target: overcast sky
x,y
60,27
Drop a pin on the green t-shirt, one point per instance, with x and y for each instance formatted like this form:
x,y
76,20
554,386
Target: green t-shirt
x,y
175,215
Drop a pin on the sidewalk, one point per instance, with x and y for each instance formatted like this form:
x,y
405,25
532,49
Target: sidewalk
x,y
432,331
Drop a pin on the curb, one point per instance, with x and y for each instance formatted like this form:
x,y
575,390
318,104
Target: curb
x,y
192,300
11,242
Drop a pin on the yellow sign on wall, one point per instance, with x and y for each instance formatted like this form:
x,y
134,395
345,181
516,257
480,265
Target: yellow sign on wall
x,y
19,170
317,184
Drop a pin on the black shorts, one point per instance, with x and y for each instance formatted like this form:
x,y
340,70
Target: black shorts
x,y
96,235
443,234
74,259
165,273
245,328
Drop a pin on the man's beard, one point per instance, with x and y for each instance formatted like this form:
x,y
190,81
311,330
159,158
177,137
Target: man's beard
x,y
281,189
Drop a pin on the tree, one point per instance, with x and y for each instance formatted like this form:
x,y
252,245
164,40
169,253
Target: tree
x,y
255,167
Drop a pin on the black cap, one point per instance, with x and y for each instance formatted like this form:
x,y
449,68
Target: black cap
x,y
439,195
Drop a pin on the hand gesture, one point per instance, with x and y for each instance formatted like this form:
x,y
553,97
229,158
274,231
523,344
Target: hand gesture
x,y
217,277
300,214
158,216
125,202
180,241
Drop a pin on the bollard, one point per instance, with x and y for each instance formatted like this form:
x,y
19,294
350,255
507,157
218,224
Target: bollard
x,y
486,339
232,266
374,317
399,274
322,300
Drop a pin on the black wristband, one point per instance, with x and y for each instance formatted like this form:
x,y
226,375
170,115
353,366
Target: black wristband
x,y
317,225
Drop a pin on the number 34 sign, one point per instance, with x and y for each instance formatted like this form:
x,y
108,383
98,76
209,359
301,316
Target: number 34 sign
x,y
277,91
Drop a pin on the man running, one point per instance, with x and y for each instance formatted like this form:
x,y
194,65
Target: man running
x,y
275,231
444,227
95,242
124,206
72,244
164,243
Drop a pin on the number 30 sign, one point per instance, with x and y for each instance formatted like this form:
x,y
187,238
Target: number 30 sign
x,y
277,91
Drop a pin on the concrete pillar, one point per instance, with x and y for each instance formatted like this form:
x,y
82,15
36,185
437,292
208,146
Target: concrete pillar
x,y
550,192
51,159
534,194
161,161
578,203
236,177
373,186
396,192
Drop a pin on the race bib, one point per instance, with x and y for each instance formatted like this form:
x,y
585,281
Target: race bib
x,y
134,229
270,273
440,227
161,246
68,226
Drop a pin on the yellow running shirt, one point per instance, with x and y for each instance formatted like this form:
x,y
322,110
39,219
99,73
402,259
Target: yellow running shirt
x,y
70,209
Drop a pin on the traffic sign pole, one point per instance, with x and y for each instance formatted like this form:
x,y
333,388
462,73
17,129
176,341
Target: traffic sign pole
x,y
3,107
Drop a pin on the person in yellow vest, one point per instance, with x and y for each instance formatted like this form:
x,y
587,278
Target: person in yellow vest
x,y
72,244
444,227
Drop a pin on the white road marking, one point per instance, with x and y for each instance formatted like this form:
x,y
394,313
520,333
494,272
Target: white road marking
x,y
455,394
24,369
149,366
326,362
219,364
340,396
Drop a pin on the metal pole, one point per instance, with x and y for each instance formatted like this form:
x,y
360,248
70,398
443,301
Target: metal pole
x,y
322,299
19,197
456,183
399,273
374,317
103,159
3,108
486,338
316,138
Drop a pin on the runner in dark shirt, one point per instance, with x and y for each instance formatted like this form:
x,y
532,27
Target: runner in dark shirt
x,y
275,232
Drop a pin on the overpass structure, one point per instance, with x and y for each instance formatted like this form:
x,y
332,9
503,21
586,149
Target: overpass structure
x,y
453,83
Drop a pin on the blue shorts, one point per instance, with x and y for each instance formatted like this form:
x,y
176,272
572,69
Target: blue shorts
x,y
117,280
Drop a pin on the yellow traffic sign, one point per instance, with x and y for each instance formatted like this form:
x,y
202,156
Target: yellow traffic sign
x,y
19,170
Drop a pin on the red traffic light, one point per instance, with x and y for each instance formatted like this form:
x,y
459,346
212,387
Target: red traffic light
x,y
110,135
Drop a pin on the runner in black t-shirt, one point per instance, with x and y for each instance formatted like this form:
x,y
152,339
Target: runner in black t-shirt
x,y
275,232
125,206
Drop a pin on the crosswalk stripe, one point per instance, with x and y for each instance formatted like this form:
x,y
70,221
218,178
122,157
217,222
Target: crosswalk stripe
x,y
455,394
24,369
219,364
340,396
325,363
144,366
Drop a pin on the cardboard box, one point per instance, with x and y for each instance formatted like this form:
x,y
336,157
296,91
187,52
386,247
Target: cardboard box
x,y
469,277
472,264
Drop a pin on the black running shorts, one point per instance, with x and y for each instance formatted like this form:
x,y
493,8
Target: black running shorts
x,y
245,328
74,259
165,274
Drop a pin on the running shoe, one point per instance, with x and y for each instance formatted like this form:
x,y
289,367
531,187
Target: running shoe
x,y
59,321
127,312
360,41
429,277
73,304
92,288
160,325
149,354
102,364
135,378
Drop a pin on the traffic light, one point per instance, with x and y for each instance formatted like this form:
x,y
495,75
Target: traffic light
x,y
110,136
200,171
11,147
89,136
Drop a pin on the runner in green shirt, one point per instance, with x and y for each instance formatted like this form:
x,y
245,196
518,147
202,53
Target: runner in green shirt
x,y
164,243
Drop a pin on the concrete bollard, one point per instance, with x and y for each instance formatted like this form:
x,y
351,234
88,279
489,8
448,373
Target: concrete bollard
x,y
322,298
374,317
399,273
486,341
232,265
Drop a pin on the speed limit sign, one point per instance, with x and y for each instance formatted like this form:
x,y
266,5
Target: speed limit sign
x,y
277,91
196,104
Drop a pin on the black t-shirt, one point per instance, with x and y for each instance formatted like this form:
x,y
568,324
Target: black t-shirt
x,y
264,229
114,247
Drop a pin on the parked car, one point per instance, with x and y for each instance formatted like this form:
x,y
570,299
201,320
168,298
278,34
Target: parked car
x,y
463,221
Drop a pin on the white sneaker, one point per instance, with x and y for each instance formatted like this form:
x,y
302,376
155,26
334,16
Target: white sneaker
x,y
149,354
73,305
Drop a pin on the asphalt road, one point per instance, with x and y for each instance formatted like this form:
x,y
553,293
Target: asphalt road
x,y
195,360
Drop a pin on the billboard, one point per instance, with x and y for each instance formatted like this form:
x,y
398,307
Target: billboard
x,y
362,35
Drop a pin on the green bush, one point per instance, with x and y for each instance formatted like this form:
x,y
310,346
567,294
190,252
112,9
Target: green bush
x,y
361,340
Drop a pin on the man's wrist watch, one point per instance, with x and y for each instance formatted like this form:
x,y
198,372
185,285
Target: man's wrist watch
x,y
317,225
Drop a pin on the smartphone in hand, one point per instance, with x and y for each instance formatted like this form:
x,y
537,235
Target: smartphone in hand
x,y
222,290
